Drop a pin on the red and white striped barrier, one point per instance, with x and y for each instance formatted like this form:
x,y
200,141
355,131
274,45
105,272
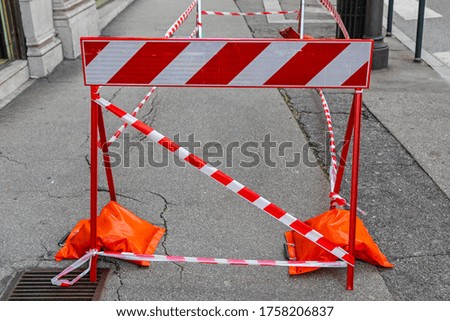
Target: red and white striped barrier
x,y
262,13
57,280
233,185
264,63
259,63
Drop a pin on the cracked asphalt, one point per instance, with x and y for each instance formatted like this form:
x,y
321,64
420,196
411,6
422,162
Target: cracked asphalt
x,y
44,180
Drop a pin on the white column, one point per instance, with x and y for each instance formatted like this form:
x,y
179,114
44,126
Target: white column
x,y
44,48
73,19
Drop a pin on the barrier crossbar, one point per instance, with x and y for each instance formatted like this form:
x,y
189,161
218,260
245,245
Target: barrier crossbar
x,y
255,63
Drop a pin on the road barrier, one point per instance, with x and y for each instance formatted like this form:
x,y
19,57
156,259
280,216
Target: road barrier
x,y
224,63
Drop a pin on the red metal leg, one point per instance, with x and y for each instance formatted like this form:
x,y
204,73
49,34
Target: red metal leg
x,y
354,184
106,159
94,182
345,149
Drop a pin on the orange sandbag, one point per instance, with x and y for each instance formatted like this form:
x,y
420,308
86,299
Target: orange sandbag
x,y
118,230
290,33
334,225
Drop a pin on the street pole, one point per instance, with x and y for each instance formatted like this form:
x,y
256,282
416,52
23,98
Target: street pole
x,y
419,33
389,18
301,19
199,19
373,29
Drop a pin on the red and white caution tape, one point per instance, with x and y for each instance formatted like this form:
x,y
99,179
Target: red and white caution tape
x,y
182,259
168,34
325,3
335,198
333,166
333,12
233,185
64,282
134,113
205,260
262,13
194,32
180,20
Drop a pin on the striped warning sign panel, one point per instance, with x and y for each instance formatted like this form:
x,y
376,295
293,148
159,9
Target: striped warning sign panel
x,y
227,62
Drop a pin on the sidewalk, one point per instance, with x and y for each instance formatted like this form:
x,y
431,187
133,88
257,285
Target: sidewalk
x,y
44,179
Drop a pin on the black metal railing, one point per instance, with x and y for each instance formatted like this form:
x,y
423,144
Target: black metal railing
x,y
419,32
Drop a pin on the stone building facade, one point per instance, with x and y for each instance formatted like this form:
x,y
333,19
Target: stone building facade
x,y
36,35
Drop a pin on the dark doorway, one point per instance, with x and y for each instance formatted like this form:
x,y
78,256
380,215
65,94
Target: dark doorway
x,y
12,39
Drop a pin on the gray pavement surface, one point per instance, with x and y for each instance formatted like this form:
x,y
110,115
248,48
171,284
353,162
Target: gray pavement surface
x,y
44,177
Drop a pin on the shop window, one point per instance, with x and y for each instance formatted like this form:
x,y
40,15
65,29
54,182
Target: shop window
x,y
12,40
101,2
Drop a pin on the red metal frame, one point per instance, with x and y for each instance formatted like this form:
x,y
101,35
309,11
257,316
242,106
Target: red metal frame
x,y
345,149
105,150
357,112
353,127
94,180
98,129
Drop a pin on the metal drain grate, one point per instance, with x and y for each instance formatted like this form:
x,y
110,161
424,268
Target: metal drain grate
x,y
35,285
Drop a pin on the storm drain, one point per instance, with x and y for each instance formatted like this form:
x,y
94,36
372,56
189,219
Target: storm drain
x,y
35,285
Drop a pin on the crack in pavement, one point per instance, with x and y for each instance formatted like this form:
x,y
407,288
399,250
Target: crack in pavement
x,y
105,190
252,31
119,275
118,272
114,95
311,143
154,103
88,135
46,256
161,215
88,161
62,196
12,160
166,234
